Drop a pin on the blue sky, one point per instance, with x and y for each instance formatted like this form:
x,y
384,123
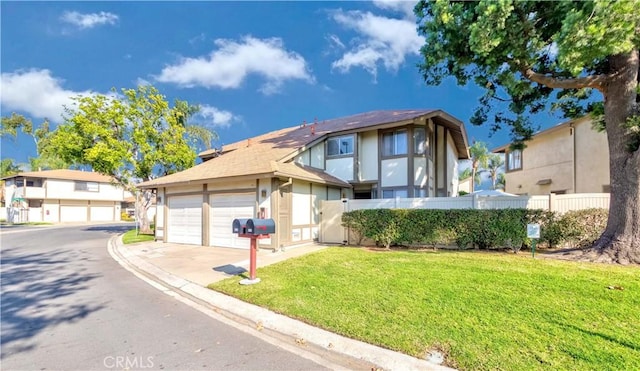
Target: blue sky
x,y
252,66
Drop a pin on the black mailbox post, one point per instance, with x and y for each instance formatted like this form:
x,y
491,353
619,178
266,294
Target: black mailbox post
x,y
254,229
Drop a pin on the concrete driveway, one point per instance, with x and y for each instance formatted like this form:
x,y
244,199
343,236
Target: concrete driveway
x,y
205,264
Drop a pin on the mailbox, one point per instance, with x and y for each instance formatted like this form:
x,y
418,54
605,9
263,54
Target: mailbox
x,y
240,226
260,226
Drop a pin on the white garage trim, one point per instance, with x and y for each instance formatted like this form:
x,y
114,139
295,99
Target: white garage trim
x,y
184,220
224,209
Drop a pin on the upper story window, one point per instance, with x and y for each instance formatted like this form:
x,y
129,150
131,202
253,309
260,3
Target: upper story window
x,y
419,141
87,186
340,146
394,143
514,160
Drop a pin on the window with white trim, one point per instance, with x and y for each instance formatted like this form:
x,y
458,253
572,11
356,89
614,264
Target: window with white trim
x,y
514,160
340,146
87,186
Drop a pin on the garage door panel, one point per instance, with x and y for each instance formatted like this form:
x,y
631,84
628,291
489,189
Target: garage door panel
x,y
224,209
184,222
69,213
101,213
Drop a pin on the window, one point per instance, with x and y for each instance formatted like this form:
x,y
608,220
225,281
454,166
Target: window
x,y
514,160
340,146
394,193
87,186
394,143
419,141
420,192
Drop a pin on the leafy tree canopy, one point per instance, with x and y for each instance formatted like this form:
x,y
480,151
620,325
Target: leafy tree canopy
x,y
519,51
136,136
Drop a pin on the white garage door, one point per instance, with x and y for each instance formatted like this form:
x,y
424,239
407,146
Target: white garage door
x,y
101,212
184,222
225,208
73,213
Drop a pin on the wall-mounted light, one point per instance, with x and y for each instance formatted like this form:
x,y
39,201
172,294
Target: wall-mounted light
x,y
263,193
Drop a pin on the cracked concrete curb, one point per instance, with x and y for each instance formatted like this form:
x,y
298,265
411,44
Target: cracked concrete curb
x,y
257,317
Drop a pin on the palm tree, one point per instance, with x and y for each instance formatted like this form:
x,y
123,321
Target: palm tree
x,y
479,160
464,174
501,182
198,134
495,163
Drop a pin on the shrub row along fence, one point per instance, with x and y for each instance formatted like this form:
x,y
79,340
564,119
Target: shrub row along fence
x,y
482,222
482,229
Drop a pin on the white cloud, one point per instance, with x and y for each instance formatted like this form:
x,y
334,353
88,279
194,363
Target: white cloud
x,y
229,65
403,6
90,20
381,40
36,93
217,117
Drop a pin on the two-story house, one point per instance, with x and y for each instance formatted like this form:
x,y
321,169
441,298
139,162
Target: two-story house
x,y
62,196
286,173
571,157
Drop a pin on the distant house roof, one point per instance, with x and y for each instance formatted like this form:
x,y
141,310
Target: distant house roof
x,y
552,129
64,174
267,154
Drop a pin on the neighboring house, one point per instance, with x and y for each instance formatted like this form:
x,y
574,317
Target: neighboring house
x,y
286,173
62,196
464,185
571,157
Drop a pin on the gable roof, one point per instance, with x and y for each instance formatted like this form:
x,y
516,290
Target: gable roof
x,y
268,154
64,174
552,129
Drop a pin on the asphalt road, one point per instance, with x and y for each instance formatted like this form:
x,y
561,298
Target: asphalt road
x,y
67,305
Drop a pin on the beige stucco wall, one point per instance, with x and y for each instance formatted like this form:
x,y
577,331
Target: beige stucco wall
x,y
452,167
341,168
550,155
592,159
65,189
368,156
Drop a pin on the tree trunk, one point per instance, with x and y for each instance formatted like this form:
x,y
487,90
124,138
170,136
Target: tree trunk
x,y
144,199
620,241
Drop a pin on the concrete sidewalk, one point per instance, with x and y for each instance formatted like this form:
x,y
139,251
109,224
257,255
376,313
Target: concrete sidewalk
x,y
184,271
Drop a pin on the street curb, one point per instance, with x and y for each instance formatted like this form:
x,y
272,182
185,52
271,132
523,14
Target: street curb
x,y
263,319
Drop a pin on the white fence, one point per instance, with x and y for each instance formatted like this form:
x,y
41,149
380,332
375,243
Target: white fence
x,y
331,230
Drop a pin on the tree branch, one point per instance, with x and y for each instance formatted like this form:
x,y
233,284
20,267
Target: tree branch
x,y
594,81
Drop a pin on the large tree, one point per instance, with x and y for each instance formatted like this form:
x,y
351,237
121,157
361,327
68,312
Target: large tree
x,y
134,137
11,125
579,56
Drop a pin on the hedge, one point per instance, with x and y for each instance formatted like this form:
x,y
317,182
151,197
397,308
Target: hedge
x,y
470,228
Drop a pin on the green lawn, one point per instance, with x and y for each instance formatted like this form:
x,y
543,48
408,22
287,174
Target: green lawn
x,y
484,310
132,237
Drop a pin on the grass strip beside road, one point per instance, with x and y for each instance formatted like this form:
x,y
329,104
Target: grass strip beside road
x,y
133,236
483,310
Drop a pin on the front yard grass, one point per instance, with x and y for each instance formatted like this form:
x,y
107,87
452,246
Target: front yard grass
x,y
483,310
132,237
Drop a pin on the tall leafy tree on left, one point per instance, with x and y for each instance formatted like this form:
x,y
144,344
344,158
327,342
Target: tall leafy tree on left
x,y
133,136
11,125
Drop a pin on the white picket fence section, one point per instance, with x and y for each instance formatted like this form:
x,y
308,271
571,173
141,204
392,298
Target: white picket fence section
x,y
331,230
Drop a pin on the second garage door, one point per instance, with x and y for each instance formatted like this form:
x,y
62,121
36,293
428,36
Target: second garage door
x,y
73,211
184,222
224,209
101,211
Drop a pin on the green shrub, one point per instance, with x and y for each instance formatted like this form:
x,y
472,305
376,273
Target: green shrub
x,y
469,228
583,227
